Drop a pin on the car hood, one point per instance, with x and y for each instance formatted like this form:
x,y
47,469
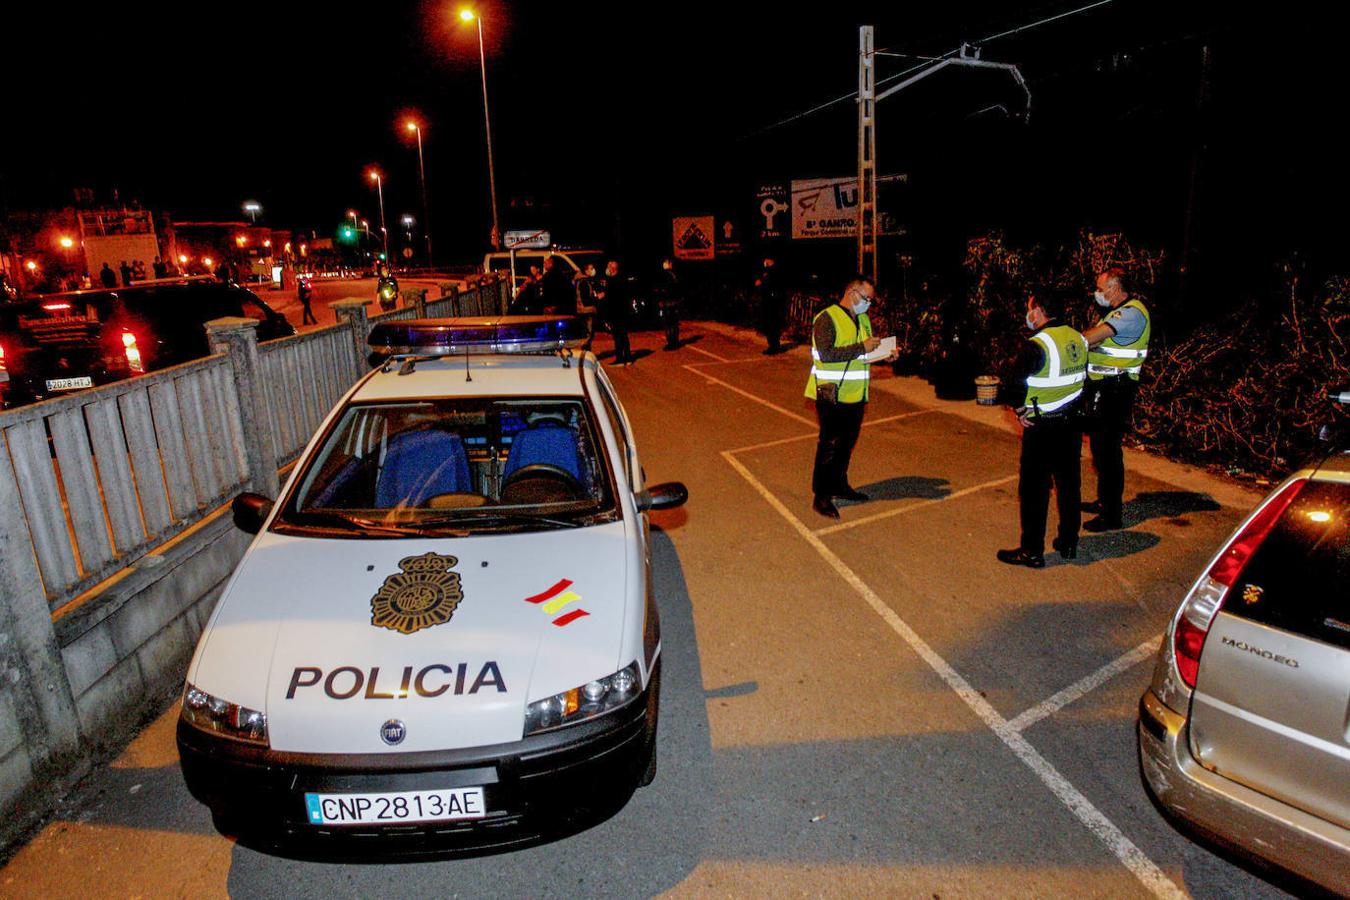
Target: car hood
x,y
451,636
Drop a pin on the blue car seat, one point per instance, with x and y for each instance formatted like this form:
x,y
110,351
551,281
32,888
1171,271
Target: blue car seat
x,y
418,465
548,442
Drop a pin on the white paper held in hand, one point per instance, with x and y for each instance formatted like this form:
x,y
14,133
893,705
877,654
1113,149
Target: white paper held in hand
x,y
884,349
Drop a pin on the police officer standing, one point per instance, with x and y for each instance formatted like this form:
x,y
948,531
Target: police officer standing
x,y
1054,364
840,336
1117,347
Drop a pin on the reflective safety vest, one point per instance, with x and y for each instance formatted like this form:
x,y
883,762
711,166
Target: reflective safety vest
x,y
1060,378
851,375
1111,360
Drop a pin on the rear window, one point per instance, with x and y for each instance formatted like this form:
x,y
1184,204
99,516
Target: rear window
x,y
1296,580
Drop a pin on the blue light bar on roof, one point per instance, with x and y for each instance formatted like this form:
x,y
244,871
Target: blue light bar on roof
x,y
479,334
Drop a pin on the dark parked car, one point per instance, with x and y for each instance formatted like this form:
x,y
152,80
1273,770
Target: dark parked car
x,y
58,343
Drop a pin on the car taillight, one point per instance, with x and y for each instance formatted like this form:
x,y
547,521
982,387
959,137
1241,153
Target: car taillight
x,y
1203,602
132,351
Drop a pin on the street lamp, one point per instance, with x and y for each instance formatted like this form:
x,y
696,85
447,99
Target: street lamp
x,y
376,177
252,207
413,125
468,15
66,243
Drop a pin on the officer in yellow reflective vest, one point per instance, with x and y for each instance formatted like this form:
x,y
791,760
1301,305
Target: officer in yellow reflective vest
x,y
840,336
1118,345
1054,365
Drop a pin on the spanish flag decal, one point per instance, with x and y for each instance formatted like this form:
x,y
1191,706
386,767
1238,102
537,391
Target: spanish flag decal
x,y
555,599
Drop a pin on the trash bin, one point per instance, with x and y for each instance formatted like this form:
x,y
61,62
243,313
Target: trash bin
x,y
986,390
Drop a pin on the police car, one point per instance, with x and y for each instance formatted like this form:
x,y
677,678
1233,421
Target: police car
x,y
443,635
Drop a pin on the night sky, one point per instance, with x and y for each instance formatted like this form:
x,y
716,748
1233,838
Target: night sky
x,y
610,117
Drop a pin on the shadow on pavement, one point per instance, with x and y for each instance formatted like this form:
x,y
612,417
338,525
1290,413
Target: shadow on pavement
x,y
1165,505
649,846
1110,545
907,487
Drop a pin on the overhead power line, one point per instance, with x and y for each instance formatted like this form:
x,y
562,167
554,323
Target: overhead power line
x,y
853,95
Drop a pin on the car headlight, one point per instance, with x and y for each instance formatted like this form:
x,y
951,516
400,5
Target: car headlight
x,y
223,717
594,698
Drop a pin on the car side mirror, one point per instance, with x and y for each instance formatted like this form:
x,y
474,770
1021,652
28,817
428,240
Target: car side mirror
x,y
250,512
662,496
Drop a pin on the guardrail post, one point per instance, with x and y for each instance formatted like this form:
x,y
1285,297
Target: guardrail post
x,y
419,301
454,300
352,310
30,657
503,296
237,338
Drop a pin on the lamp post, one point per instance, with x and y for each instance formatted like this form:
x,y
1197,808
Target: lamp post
x,y
468,15
379,188
422,177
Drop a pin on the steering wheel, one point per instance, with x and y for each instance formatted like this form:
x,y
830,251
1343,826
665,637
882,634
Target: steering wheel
x,y
541,483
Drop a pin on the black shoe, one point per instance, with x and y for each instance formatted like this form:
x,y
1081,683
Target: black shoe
x,y
853,494
1065,551
1092,506
825,507
1102,523
1020,557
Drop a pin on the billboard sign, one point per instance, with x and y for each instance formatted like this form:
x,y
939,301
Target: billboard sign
x,y
824,208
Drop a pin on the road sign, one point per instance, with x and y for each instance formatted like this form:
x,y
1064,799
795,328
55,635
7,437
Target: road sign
x,y
528,240
728,238
693,237
773,208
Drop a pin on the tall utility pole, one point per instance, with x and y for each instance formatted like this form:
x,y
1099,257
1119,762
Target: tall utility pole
x,y
868,216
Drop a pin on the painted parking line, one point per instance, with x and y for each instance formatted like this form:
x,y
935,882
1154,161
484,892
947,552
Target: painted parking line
x,y
1048,707
954,495
705,353
816,434
1115,840
749,396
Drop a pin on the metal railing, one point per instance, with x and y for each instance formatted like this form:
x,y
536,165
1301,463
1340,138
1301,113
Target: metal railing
x,y
302,378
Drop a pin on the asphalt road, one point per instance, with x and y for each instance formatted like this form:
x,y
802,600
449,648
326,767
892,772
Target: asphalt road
x,y
868,707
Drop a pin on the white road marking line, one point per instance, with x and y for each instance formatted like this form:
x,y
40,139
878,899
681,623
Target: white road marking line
x,y
1078,689
1115,840
706,353
814,435
749,396
854,523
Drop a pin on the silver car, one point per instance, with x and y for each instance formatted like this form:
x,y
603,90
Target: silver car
x,y
1244,732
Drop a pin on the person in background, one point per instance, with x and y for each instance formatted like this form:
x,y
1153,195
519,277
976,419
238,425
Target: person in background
x,y
126,273
616,307
670,302
107,276
159,268
585,283
772,307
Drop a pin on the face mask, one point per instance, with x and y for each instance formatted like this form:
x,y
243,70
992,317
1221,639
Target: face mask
x,y
861,305
1101,299
1031,326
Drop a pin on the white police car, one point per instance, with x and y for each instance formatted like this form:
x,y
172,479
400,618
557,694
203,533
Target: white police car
x,y
443,635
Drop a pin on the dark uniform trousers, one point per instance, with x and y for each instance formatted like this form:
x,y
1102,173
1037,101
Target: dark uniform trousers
x,y
839,427
1050,453
1110,402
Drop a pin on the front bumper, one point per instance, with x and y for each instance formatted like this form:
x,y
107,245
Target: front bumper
x,y
1231,813
536,789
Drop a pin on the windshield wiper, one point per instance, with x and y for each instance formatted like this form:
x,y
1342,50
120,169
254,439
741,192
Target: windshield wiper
x,y
505,517
349,522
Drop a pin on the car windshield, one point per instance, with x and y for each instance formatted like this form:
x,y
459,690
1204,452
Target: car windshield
x,y
454,466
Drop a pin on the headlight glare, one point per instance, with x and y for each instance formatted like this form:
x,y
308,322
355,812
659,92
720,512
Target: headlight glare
x,y
224,718
594,698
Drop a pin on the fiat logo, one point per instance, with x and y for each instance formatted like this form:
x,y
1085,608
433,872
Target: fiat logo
x,y
393,732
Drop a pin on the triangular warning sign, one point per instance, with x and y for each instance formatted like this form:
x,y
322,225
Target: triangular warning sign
x,y
693,239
